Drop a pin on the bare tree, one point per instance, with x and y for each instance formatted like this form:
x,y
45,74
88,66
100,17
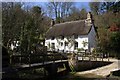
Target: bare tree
x,y
59,10
94,6
76,14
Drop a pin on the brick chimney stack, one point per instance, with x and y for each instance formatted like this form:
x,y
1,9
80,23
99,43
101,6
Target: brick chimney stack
x,y
89,19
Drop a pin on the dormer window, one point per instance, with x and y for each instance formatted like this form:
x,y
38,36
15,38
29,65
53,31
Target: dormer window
x,y
75,36
61,37
52,38
53,45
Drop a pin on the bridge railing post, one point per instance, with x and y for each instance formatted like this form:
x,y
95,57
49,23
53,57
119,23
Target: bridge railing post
x,y
20,59
108,56
102,56
82,57
89,57
77,56
61,57
29,59
43,59
96,56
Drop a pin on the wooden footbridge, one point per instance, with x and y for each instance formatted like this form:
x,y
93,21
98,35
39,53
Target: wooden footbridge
x,y
50,62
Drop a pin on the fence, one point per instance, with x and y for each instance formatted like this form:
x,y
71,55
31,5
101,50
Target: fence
x,y
92,57
35,58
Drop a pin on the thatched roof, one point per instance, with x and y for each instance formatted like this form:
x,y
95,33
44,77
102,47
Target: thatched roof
x,y
68,29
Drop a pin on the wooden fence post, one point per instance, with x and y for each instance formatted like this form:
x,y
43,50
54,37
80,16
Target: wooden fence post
x,y
82,57
11,59
77,55
29,60
61,57
102,56
96,56
43,58
20,58
89,58
108,56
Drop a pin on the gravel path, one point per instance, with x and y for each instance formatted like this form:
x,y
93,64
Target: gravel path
x,y
101,71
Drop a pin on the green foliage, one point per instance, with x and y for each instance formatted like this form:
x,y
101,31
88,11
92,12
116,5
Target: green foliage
x,y
115,42
80,49
26,26
13,18
103,22
84,43
36,10
83,14
109,15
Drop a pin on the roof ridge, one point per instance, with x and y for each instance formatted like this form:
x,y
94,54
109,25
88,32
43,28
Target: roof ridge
x,y
69,22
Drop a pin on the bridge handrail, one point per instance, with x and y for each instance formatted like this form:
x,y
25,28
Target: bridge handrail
x,y
37,58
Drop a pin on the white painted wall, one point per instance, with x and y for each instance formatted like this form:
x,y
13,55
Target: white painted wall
x,y
80,40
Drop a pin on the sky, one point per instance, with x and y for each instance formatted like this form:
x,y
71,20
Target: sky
x,y
59,0
43,5
79,5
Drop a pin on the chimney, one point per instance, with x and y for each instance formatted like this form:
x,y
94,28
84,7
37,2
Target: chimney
x,y
89,19
52,22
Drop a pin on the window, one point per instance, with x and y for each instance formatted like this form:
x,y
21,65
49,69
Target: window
x,y
61,43
75,36
53,45
61,37
66,43
75,45
53,38
48,44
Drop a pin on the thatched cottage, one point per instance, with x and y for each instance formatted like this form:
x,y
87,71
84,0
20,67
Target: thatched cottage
x,y
72,36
